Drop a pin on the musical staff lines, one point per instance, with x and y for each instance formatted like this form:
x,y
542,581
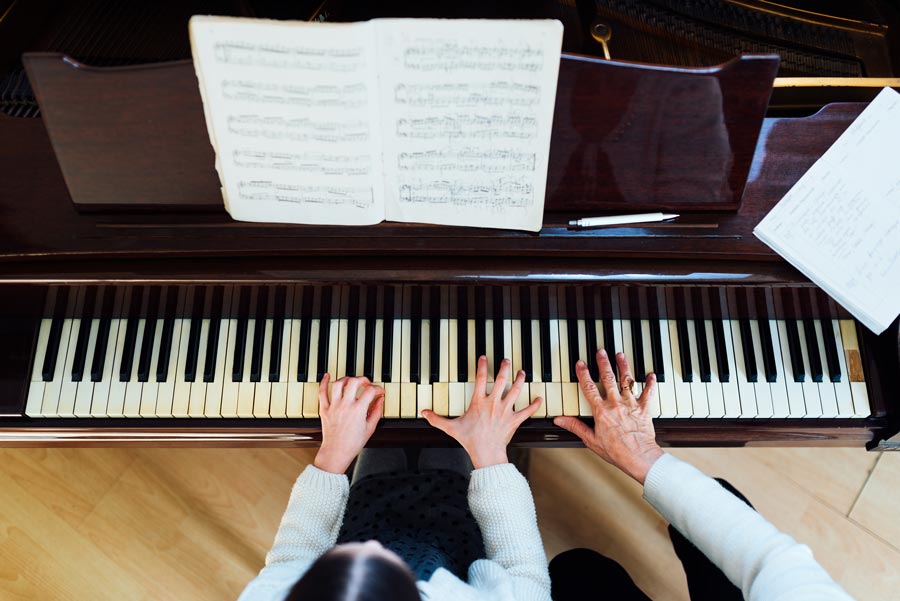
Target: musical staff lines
x,y
308,162
305,58
298,130
491,94
451,56
496,195
360,197
467,160
331,96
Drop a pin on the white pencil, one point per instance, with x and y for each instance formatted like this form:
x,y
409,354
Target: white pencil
x,y
622,219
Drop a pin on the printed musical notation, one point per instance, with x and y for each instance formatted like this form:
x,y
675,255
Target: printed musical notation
x,y
468,126
347,96
342,196
284,56
494,195
305,162
495,93
450,55
467,160
299,129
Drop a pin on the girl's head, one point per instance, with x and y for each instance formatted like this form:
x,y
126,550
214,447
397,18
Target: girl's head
x,y
357,572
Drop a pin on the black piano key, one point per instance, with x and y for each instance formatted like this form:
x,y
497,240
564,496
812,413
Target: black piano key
x,y
277,334
590,328
387,336
352,330
434,334
656,350
103,325
325,314
415,335
84,331
193,348
684,350
259,334
371,313
462,334
143,370
812,350
525,318
167,334
639,369
575,350
212,336
703,365
768,351
306,316
793,335
52,351
498,313
749,353
609,343
134,316
480,323
723,365
544,328
831,352
240,335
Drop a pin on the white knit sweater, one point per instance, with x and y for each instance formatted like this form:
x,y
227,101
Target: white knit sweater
x,y
765,563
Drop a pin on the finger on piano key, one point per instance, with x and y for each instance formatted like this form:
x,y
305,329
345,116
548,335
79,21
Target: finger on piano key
x,y
86,317
591,326
715,389
215,390
85,393
668,402
826,390
500,319
387,337
779,391
470,392
351,338
515,331
340,367
489,352
810,387
471,340
746,389
851,366
480,324
68,386
630,354
812,349
378,358
535,390
115,404
424,399
334,330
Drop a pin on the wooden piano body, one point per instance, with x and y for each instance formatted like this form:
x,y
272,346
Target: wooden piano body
x,y
47,244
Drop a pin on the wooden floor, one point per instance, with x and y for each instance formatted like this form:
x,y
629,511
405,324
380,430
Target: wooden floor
x,y
195,524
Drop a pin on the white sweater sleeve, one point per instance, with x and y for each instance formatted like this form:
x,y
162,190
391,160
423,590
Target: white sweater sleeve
x,y
765,563
501,501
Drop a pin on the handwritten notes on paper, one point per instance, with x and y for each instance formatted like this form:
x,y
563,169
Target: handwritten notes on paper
x,y
435,121
840,223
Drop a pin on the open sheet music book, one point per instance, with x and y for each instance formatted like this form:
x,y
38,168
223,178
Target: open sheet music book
x,y
840,223
421,120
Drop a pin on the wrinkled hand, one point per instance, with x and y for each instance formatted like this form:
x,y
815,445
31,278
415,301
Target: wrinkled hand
x,y
348,421
488,424
623,430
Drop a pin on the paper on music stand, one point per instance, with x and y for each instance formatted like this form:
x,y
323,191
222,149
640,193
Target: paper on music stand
x,y
427,120
840,223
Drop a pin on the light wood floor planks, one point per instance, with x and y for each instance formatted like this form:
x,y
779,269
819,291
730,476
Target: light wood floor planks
x,y
195,524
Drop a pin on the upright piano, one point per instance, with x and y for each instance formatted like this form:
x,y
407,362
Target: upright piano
x,y
130,321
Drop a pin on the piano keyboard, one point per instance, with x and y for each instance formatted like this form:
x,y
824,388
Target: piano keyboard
x,y
259,351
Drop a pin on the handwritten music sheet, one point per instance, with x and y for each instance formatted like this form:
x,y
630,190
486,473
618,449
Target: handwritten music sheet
x,y
292,112
467,112
425,120
840,223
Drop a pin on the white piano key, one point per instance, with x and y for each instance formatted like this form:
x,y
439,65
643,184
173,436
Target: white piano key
x,y
215,390
793,389
553,398
448,346
425,353
69,388
683,401
517,352
571,404
392,401
858,388
341,366
699,393
133,388
310,399
535,390
408,400
565,362
472,356
827,395
292,334
165,396
457,392
378,344
452,351
262,395
810,388
116,399
150,389
197,400
779,389
668,405
508,348
333,346
312,366
842,389
655,408
50,404
246,388
746,390
470,392
85,391
492,362
294,402
182,398
361,348
584,406
36,389
630,354
715,391
440,394
537,368
764,405
555,355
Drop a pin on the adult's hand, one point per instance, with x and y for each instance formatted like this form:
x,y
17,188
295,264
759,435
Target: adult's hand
x,y
623,430
487,426
348,418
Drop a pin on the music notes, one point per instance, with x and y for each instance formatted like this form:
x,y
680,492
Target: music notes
x,y
435,121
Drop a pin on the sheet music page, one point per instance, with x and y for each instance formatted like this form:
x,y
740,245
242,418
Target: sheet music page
x,y
840,223
467,112
292,111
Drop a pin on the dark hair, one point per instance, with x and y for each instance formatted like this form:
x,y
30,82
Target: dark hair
x,y
338,576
